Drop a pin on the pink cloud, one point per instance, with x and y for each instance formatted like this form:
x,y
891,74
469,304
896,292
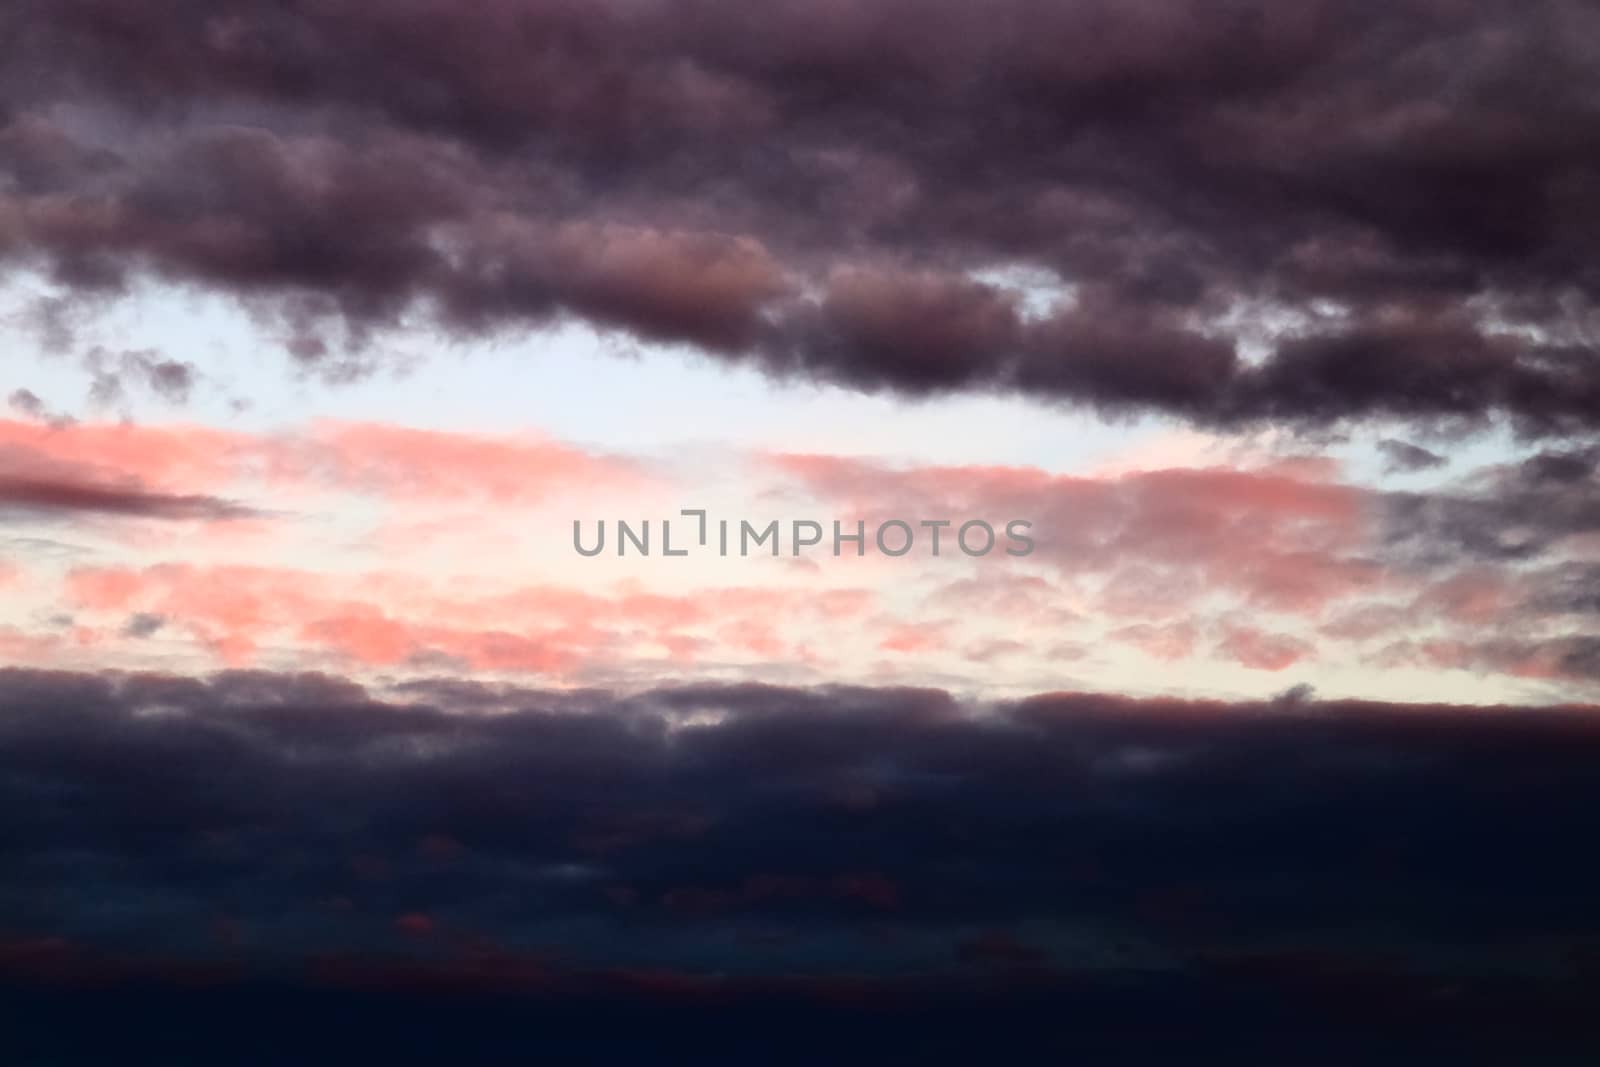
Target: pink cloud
x,y
910,637
1280,537
1259,650
1171,642
389,620
348,457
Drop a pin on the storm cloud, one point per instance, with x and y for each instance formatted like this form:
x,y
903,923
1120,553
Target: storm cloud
x,y
317,817
731,844
1298,212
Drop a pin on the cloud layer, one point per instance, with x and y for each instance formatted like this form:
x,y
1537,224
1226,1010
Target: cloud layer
x,y
396,549
314,817
1292,212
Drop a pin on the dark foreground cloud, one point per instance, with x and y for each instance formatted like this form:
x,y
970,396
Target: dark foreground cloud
x,y
1276,869
1302,211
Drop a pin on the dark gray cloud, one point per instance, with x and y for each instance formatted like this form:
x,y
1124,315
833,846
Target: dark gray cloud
x,y
170,380
26,402
667,828
1528,510
143,624
1405,457
1393,202
1569,588
208,849
47,495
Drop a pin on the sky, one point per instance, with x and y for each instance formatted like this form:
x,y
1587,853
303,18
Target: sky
x,y
1255,346
433,503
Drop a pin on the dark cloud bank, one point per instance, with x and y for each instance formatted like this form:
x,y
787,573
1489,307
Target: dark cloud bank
x,y
1299,211
479,874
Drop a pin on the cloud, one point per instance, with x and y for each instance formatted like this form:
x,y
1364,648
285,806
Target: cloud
x,y
1283,536
465,866
1526,510
1405,457
47,496
238,613
170,380
397,462
1494,565
1566,656
27,403
143,624
759,831
1257,566
1253,648
1258,214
